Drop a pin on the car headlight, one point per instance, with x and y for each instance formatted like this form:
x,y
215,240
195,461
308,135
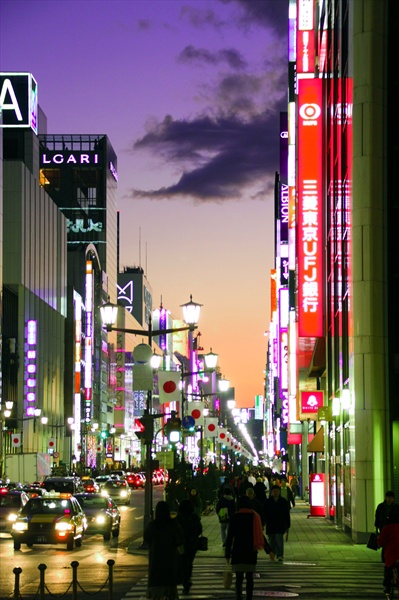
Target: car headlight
x,y
123,493
100,519
104,493
63,526
12,517
20,526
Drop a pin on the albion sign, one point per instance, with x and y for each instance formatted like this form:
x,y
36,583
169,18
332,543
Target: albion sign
x,y
18,100
74,158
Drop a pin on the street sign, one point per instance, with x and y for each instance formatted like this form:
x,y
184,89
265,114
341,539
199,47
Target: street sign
x,y
188,421
166,459
56,455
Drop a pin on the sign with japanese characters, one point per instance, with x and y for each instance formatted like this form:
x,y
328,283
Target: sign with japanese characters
x,y
310,209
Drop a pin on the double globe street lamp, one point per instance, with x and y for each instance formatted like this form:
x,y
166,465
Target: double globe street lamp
x,y
191,312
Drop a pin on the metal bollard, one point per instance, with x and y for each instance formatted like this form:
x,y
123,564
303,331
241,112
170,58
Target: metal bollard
x,y
17,571
42,567
110,564
74,565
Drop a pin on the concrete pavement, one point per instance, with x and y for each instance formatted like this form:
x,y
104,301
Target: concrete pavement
x,y
310,539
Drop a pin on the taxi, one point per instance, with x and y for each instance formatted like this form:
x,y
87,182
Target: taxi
x,y
55,518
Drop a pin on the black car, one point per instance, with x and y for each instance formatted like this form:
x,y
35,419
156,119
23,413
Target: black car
x,y
102,514
10,503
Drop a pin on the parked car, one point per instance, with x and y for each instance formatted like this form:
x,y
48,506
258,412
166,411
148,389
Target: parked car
x,y
102,514
54,518
118,490
10,503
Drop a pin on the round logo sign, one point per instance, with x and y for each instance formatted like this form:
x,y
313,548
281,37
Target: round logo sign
x,y
56,455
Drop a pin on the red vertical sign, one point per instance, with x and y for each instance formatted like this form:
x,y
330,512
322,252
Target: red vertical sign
x,y
310,214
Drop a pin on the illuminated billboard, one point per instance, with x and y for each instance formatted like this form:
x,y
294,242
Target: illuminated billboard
x,y
305,51
310,209
18,100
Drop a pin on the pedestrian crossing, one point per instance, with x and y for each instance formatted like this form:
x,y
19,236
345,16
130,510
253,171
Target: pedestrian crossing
x,y
291,579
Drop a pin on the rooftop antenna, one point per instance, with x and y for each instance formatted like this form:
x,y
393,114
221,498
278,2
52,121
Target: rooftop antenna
x,y
139,246
146,260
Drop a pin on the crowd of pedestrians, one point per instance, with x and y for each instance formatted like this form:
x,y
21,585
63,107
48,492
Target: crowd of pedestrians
x,y
247,507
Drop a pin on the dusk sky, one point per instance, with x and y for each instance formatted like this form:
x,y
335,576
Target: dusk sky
x,y
189,93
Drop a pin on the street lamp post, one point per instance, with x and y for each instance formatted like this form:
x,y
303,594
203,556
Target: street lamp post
x,y
109,315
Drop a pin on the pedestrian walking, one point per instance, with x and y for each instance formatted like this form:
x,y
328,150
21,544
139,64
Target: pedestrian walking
x,y
276,513
295,485
386,511
195,498
260,491
255,504
165,539
192,527
225,508
388,540
244,539
286,492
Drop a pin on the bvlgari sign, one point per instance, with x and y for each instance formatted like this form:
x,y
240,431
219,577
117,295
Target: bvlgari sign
x,y
69,158
18,100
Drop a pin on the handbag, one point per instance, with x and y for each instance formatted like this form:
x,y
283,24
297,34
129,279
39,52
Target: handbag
x,y
372,543
227,577
202,543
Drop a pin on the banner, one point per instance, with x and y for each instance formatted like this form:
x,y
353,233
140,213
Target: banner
x,y
168,386
196,411
16,440
211,427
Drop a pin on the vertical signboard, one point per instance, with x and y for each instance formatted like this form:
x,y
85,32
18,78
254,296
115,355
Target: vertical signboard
x,y
310,213
305,53
317,495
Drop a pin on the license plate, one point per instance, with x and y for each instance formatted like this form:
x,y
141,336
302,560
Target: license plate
x,y
41,539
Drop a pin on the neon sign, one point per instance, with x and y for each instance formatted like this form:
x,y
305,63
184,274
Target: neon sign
x,y
30,367
75,158
309,222
18,100
305,54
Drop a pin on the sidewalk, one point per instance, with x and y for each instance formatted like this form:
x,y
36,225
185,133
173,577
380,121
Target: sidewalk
x,y
310,539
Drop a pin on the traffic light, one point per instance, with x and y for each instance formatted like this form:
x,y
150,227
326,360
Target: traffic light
x,y
173,428
145,429
104,434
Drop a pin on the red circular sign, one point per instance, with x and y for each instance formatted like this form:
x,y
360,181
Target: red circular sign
x,y
196,413
51,444
211,427
169,387
15,440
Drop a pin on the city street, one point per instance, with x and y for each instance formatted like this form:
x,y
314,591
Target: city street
x,y
320,562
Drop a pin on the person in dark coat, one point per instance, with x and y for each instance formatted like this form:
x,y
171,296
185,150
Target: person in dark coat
x,y
255,504
260,491
244,539
192,527
165,539
276,513
385,511
225,508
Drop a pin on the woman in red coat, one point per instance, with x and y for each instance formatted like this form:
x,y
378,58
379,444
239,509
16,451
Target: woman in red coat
x,y
389,540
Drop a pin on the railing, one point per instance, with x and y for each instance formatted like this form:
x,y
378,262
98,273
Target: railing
x,y
74,584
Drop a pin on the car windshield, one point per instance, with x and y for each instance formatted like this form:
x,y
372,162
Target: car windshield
x,y
58,506
90,502
7,501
